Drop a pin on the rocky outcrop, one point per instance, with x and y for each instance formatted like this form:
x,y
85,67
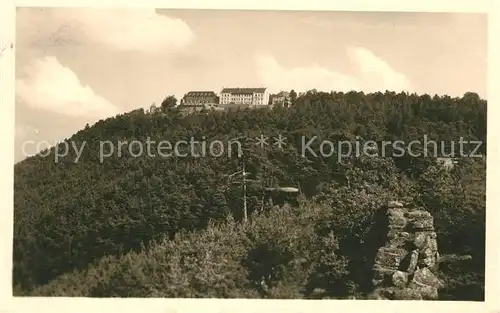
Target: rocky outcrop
x,y
404,267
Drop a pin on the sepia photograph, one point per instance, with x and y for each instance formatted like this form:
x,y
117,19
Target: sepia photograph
x,y
249,154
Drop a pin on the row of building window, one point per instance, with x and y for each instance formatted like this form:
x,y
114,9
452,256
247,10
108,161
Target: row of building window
x,y
199,98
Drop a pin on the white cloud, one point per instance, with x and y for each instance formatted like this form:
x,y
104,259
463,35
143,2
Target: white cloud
x,y
129,29
52,87
377,72
21,131
301,78
375,75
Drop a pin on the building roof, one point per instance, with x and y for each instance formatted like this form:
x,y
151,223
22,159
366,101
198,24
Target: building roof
x,y
243,90
200,94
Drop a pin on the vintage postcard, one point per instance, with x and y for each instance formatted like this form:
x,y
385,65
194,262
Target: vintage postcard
x,y
196,155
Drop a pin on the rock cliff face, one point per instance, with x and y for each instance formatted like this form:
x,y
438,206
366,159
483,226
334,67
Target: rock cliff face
x,y
404,267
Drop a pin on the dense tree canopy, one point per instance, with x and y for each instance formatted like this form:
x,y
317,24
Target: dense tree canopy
x,y
118,215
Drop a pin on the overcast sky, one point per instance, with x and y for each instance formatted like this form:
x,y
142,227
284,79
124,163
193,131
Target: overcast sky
x,y
76,66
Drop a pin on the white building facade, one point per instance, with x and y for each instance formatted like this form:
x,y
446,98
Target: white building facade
x,y
248,96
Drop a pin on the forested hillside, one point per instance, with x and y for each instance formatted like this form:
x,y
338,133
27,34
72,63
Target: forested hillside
x,y
139,226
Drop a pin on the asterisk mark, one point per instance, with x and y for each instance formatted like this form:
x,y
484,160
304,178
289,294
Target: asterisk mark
x,y
280,141
261,141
